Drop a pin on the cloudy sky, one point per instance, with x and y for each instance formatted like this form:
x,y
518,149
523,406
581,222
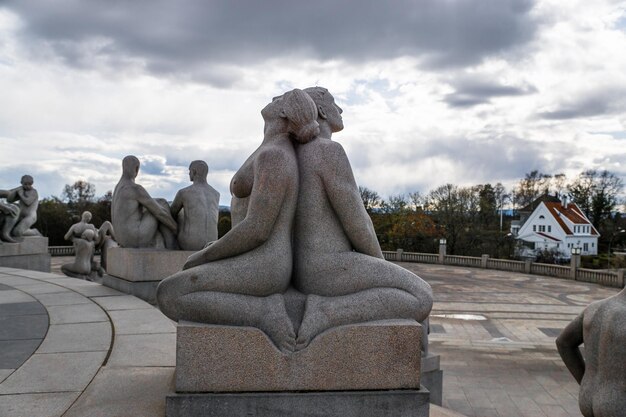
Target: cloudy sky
x,y
433,91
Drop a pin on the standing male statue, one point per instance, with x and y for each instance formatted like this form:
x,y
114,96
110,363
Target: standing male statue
x,y
197,209
139,220
27,200
601,327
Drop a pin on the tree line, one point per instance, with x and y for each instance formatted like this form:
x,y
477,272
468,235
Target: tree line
x,y
475,220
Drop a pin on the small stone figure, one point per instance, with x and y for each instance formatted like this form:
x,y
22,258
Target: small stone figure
x,y
338,262
601,327
84,265
197,209
27,200
86,238
140,221
240,278
9,216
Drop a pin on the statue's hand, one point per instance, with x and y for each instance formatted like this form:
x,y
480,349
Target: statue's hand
x,y
193,260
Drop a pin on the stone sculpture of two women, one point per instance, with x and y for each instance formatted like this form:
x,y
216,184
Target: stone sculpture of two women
x,y
302,256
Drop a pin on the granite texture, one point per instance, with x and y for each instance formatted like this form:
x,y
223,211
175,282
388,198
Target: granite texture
x,y
237,279
139,220
337,257
370,356
601,371
196,209
31,253
135,265
405,403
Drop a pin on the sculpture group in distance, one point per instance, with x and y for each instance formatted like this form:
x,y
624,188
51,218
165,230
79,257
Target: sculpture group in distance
x,y
303,192
19,213
86,238
601,327
141,221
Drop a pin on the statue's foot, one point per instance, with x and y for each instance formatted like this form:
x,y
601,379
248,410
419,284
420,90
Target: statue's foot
x,y
314,321
277,325
6,238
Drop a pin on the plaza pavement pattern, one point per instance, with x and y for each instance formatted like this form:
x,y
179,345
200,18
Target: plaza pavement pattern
x,y
495,332
75,348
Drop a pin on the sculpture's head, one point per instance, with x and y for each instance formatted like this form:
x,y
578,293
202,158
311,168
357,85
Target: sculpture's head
x,y
130,166
27,182
198,170
88,235
86,217
327,109
298,112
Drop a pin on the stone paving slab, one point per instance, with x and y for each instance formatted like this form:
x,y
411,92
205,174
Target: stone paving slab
x,y
122,302
62,299
143,321
77,337
14,296
4,374
144,350
39,405
22,309
41,288
54,372
86,288
122,392
23,327
78,313
13,353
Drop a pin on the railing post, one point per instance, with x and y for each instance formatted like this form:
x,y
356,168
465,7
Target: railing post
x,y
527,265
620,278
399,254
574,265
442,251
483,261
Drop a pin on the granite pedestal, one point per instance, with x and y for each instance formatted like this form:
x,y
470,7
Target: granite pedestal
x,y
31,253
370,369
139,271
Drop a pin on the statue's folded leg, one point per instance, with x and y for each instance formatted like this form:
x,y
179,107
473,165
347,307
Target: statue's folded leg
x,y
265,313
322,313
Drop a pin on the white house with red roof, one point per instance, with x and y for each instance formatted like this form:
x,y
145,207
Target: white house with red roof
x,y
560,227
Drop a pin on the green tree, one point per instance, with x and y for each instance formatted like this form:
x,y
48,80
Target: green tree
x,y
596,193
370,198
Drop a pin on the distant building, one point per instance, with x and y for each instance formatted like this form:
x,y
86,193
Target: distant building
x,y
549,224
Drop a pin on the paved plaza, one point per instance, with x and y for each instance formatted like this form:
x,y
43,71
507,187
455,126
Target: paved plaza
x,y
74,348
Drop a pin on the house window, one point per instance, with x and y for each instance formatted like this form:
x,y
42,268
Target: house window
x,y
585,246
534,228
593,245
542,228
542,217
549,228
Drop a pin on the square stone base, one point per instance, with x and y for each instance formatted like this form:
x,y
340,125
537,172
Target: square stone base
x,y
379,355
146,290
400,403
31,253
133,264
138,271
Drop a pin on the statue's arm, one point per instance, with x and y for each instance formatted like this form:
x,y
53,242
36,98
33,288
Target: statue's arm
x,y
155,208
70,233
12,195
266,201
568,344
177,204
345,199
29,199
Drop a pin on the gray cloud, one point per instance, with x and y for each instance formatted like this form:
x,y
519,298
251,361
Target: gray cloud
x,y
204,39
601,101
473,91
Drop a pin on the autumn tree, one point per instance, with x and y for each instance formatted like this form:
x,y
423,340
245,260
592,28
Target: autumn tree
x,y
596,193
